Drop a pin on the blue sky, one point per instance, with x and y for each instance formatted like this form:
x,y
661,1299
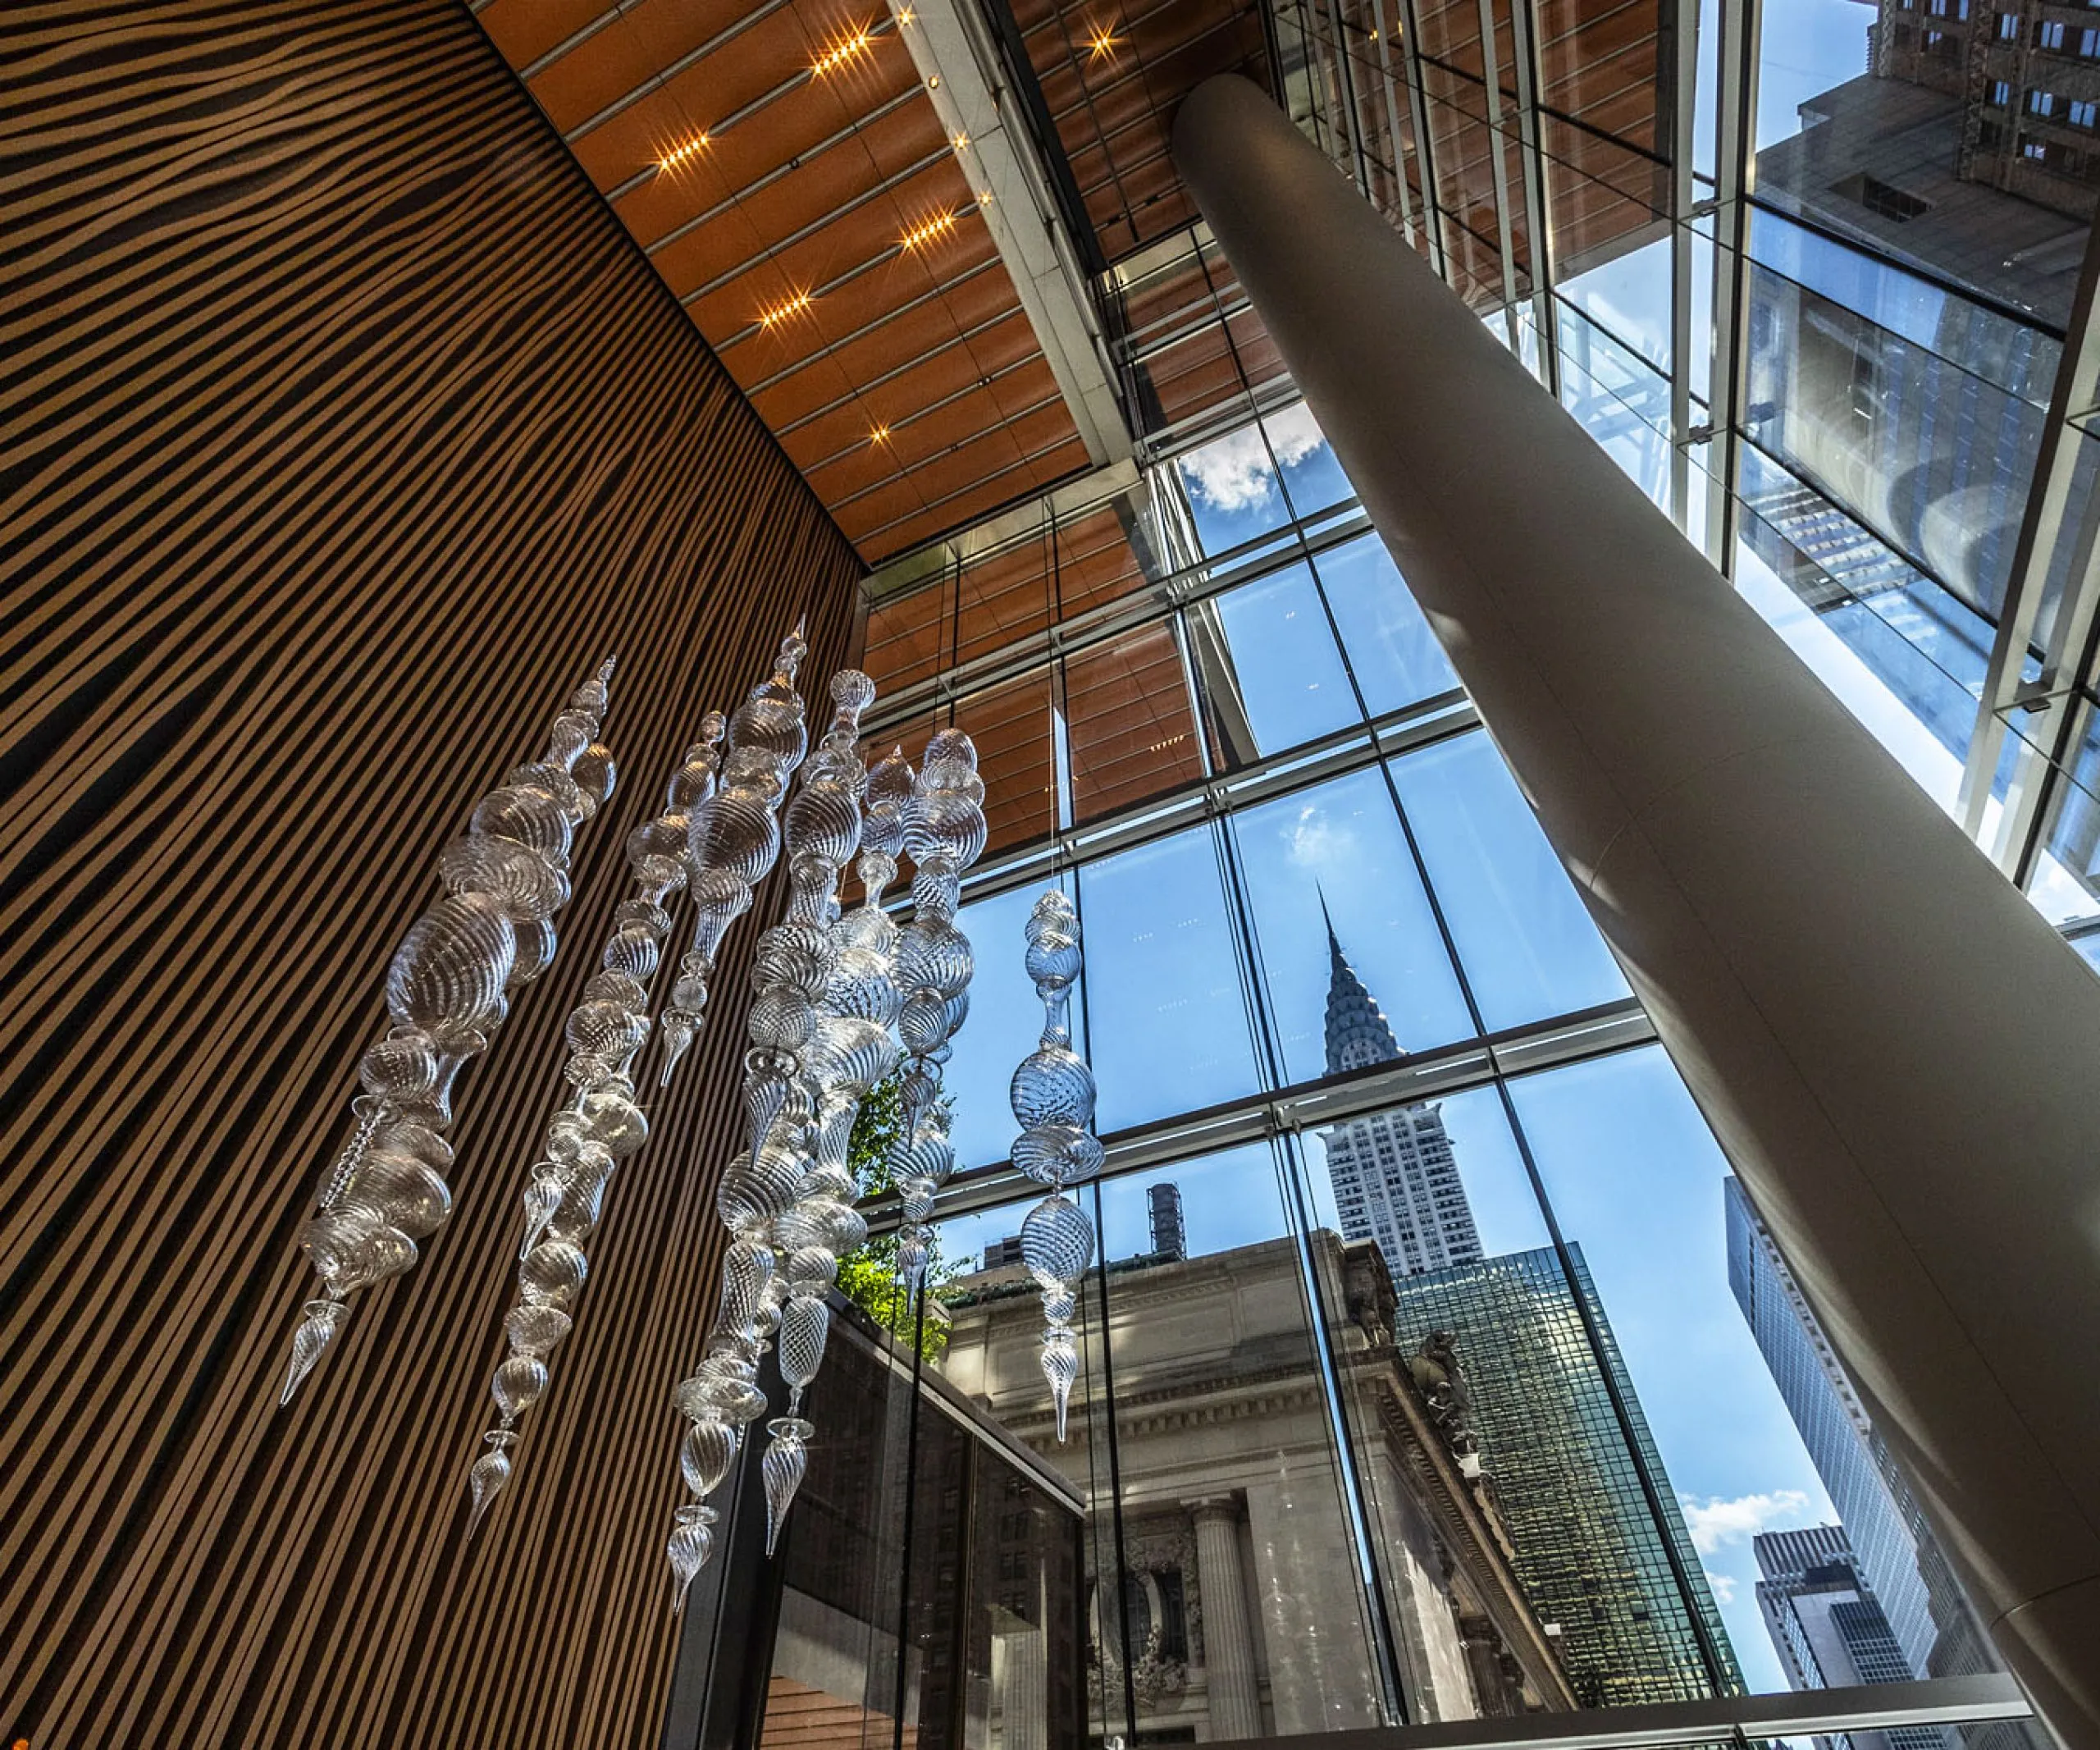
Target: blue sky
x,y
1633,1172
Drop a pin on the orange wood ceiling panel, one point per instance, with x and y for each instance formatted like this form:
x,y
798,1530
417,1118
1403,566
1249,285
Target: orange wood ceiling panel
x,y
807,195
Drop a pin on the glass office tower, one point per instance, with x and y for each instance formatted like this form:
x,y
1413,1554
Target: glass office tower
x,y
1561,1434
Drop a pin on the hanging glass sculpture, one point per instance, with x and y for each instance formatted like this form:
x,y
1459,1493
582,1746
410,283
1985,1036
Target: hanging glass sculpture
x,y
944,831
1053,1099
735,840
790,967
447,991
849,1049
602,1125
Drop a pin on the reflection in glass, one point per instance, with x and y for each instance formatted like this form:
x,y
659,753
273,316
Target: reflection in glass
x,y
1013,726
1237,1610
1528,947
1621,400
1129,723
1167,1021
1394,656
1329,879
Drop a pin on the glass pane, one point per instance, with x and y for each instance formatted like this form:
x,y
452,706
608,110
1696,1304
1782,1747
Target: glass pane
x,y
1390,1180
1636,1181
934,1568
1313,478
906,636
1012,725
1628,297
833,1681
1244,1608
992,1360
1233,491
1003,597
1132,731
1394,656
1623,402
1267,669
1003,1026
1166,1017
1027,1689
1383,1178
1351,959
1103,555
1528,947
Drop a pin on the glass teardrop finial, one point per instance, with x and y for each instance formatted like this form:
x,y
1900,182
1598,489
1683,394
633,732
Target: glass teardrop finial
x,y
691,1541
317,1330
785,1462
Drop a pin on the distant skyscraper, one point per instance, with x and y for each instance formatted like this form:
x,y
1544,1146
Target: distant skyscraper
x,y
1169,1239
1591,1554
1890,1544
1827,1628
1394,1178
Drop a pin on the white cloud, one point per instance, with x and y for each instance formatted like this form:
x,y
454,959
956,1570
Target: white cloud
x,y
1724,1585
1295,434
1233,473
1715,1523
1318,841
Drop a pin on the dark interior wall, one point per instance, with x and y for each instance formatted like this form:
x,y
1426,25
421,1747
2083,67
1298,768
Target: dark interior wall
x,y
342,434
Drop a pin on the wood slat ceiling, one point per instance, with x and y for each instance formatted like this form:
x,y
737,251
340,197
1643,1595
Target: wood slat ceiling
x,y
772,158
1112,73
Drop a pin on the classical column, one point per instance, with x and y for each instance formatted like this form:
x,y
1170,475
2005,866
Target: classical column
x,y
1023,1688
1236,1707
1900,1057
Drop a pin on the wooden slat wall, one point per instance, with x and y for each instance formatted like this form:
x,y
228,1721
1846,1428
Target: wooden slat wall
x,y
343,433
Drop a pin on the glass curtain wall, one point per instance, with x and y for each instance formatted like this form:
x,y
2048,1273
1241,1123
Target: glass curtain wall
x,y
1422,1377
1809,270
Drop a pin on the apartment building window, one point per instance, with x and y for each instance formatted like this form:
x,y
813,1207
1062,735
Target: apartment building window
x,y
2049,35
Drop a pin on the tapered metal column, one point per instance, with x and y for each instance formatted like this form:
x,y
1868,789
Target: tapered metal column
x,y
1899,1055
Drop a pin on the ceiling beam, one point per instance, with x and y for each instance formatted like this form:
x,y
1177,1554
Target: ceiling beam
x,y
957,66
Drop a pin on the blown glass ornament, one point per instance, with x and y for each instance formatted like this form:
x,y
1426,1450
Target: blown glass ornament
x,y
1052,1095
448,988
734,838
602,1125
847,1047
944,831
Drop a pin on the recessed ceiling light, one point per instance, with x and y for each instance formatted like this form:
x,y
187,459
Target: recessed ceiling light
x,y
1101,40
684,154
928,230
780,312
880,435
855,43
959,141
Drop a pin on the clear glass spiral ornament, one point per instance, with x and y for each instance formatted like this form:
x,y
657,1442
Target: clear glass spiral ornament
x,y
944,831
735,838
1052,1095
850,1048
600,1125
448,988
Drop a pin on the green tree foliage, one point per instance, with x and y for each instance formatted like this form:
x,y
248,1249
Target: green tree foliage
x,y
867,1277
